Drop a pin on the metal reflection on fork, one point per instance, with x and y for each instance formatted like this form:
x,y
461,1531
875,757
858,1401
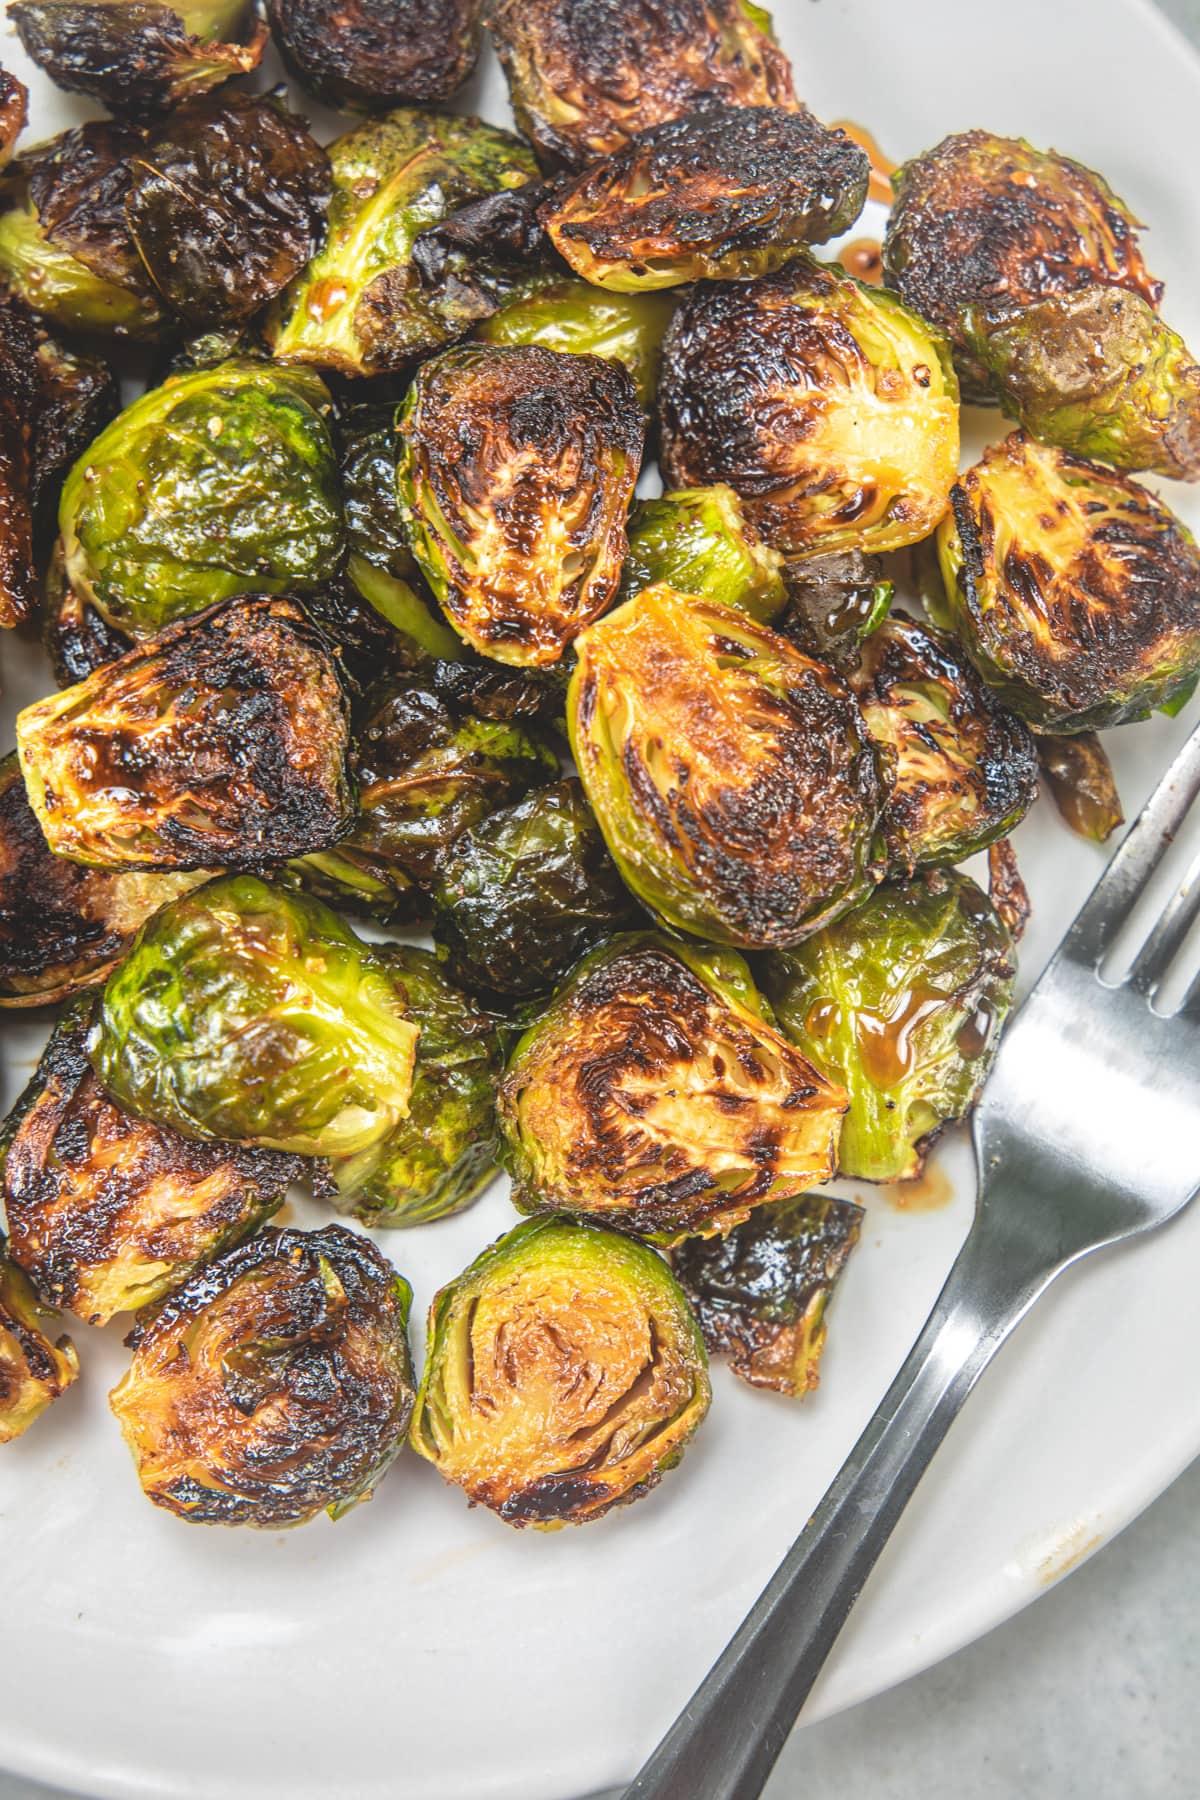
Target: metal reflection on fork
x,y
1057,1179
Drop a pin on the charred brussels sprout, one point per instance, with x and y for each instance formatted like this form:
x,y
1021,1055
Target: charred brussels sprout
x,y
827,406
359,308
985,220
18,347
107,1212
574,316
525,892
1075,591
14,114
246,1012
727,191
902,1002
372,54
515,476
75,397
966,768
733,778
1080,777
654,1093
35,1368
75,637
835,602
564,1374
584,78
217,483
697,540
222,742
272,1386
760,1292
437,1159
139,55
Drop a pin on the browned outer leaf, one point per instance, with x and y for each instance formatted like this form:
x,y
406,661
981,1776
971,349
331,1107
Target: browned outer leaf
x,y
1082,782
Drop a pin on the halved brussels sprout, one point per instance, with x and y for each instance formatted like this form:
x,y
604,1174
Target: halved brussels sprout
x,y
522,895
217,483
1075,590
733,778
1080,777
14,114
18,349
564,1375
826,405
723,192
274,1385
34,1367
986,220
140,55
698,541
1098,373
515,476
655,1093
835,602
966,768
358,308
561,314
222,742
902,1002
246,1012
586,78
436,1161
371,54
761,1291
107,1212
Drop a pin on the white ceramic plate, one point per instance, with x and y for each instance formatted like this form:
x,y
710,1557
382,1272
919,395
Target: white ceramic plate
x,y
420,1649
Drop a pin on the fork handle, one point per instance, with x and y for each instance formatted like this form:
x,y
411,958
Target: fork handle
x,y
725,1742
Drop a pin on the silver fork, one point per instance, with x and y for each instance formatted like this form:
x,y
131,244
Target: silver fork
x,y
1084,1137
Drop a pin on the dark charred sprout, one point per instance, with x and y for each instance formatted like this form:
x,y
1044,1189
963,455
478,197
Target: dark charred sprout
x,y
222,742
834,603
584,79
1074,590
436,1161
564,1374
18,349
220,482
515,476
108,1212
733,778
522,895
697,540
1006,889
139,56
77,639
493,691
1080,777
724,192
274,1385
35,1366
371,54
74,398
760,1292
14,114
901,1002
563,314
981,220
826,405
359,308
655,1093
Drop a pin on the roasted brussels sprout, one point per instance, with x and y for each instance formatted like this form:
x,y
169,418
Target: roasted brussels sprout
x,y
76,638
561,314
733,778
1098,373
222,742
373,54
243,1011
217,483
829,407
761,1291
107,1212
1080,777
727,191
564,1374
966,768
902,1002
74,398
586,75
437,1159
274,1385
1075,591
522,895
494,691
835,602
697,540
139,55
18,348
14,114
655,1093
515,476
358,307
986,220
1006,889
35,1368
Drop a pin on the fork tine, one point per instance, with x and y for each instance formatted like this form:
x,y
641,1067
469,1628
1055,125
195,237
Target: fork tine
x,y
1165,941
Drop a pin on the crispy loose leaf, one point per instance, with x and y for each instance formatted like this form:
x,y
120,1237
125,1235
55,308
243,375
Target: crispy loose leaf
x,y
1081,779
